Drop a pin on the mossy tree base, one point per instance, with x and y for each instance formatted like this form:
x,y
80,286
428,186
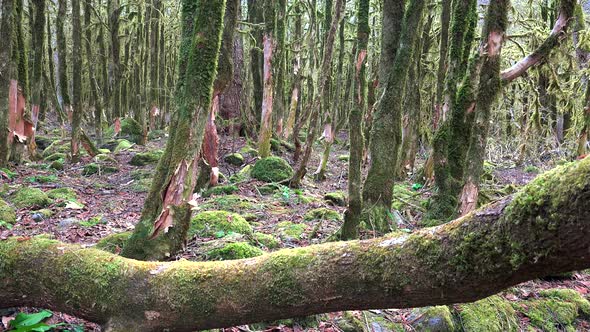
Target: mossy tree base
x,y
539,231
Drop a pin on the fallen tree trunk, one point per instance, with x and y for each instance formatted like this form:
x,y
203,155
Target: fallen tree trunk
x,y
541,230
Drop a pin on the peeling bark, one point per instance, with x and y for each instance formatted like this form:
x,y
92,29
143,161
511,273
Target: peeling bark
x,y
539,231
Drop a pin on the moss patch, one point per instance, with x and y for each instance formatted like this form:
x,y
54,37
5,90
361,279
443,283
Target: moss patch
x,y
221,190
57,165
322,214
265,240
56,156
432,319
549,315
123,145
242,175
114,242
7,213
145,158
493,314
272,169
232,203
235,159
288,229
337,198
64,194
569,295
237,250
30,198
129,128
218,224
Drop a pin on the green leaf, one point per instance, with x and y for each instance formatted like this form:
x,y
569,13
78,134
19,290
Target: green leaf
x,y
29,320
417,186
219,234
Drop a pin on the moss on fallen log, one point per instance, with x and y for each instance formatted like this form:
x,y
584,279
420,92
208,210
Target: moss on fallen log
x,y
541,230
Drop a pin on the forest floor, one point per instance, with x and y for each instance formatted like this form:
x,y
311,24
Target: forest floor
x,y
109,196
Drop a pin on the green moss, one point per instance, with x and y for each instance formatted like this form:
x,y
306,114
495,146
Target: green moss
x,y
290,230
270,188
218,224
141,185
247,150
104,151
337,198
10,174
96,220
242,175
90,169
549,314
57,165
56,156
493,314
139,174
156,134
265,240
43,178
272,169
275,145
322,214
237,250
221,190
65,194
123,145
105,157
433,319
235,159
129,128
46,213
232,203
569,295
145,158
114,242
532,169
7,213
343,157
58,146
30,198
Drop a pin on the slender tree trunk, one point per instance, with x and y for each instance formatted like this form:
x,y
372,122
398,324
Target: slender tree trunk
x,y
7,74
165,218
280,66
38,38
295,90
77,81
352,216
90,58
441,74
256,60
114,12
541,230
268,46
386,129
315,107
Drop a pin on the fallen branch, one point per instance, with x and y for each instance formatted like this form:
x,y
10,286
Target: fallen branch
x,y
541,230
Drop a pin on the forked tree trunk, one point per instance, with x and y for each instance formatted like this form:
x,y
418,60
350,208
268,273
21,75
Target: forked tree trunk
x,y
165,218
539,231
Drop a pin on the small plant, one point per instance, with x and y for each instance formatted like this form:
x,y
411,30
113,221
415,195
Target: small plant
x,y
34,323
532,169
4,224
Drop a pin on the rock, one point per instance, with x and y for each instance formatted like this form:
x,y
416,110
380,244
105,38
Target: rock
x,y
249,151
56,156
57,165
265,240
494,314
337,198
145,158
66,223
269,189
41,215
433,319
114,242
289,230
65,194
7,213
218,224
58,146
242,175
90,169
272,169
30,198
129,128
235,159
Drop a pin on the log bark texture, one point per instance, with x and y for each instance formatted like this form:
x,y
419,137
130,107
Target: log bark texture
x,y
541,230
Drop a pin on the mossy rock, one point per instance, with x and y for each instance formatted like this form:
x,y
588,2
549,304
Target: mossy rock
x,y
64,194
272,169
90,169
55,156
232,203
123,145
235,159
146,158
247,150
242,175
237,250
221,190
43,178
493,314
569,295
57,165
104,151
269,189
30,198
322,214
337,198
218,224
432,319
7,213
288,229
550,315
129,128
367,321
114,242
156,134
58,146
343,157
265,240
141,185
42,142
105,157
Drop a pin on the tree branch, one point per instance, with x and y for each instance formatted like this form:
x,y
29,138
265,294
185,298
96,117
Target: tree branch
x,y
541,230
566,13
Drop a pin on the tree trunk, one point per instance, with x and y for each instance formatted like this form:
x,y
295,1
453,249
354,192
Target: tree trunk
x,y
114,12
441,74
539,231
315,107
268,46
386,131
38,38
352,216
165,218
7,74
77,81
94,90
62,59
